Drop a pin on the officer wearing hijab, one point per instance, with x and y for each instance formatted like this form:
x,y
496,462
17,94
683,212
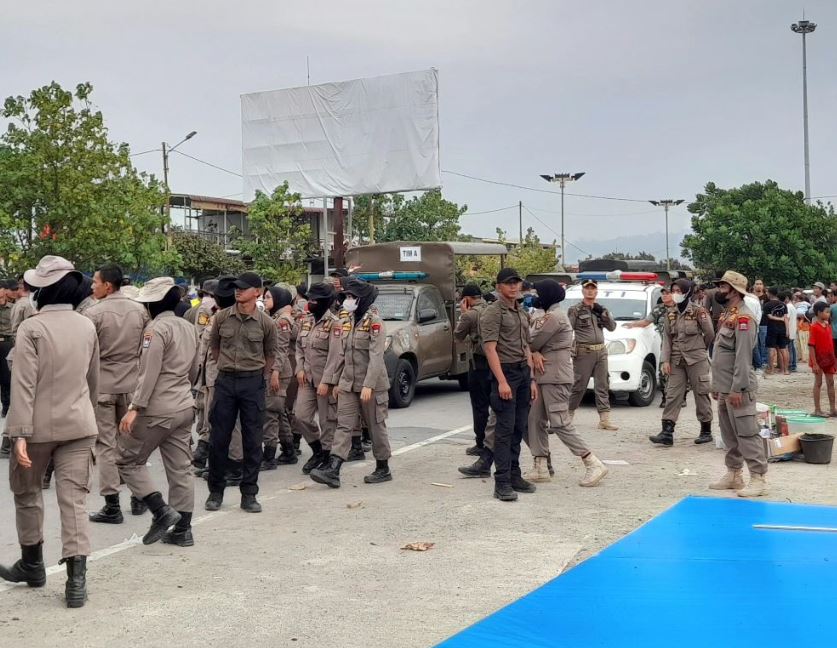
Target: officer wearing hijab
x,y
52,417
160,415
551,344
356,367
687,335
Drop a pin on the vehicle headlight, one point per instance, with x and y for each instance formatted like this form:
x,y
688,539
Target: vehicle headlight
x,y
621,347
388,343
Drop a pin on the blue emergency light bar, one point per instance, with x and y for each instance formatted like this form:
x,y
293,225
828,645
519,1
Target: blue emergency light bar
x,y
391,276
618,275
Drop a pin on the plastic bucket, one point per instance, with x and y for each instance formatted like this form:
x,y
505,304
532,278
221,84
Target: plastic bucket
x,y
817,448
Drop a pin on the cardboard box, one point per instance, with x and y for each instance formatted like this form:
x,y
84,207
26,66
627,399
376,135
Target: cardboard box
x,y
783,445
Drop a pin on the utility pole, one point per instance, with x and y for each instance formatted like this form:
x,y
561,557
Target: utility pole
x,y
520,220
166,150
562,179
666,204
805,27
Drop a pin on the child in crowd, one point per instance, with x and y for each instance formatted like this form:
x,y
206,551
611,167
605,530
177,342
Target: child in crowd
x,y
821,357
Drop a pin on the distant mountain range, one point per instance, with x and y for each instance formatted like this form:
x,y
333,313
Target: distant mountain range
x,y
651,242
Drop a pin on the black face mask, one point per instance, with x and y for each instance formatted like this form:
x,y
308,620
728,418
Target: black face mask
x,y
721,298
318,308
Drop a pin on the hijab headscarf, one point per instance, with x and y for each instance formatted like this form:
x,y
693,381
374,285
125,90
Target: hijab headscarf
x,y
686,287
364,292
281,297
550,292
320,298
67,290
168,303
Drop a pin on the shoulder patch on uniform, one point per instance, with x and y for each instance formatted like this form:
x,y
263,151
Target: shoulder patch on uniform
x,y
306,325
743,323
146,339
376,329
539,322
283,324
203,319
337,331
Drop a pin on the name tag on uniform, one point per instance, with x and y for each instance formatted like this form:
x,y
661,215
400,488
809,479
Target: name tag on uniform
x,y
146,340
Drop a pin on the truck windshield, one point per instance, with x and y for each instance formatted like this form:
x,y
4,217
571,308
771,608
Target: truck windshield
x,y
622,310
394,307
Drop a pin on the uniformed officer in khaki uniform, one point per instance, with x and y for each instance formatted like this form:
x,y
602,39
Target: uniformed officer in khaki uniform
x,y
277,427
119,323
243,343
7,341
315,397
504,327
551,345
687,335
22,308
53,417
589,320
357,368
734,385
200,317
160,416
479,375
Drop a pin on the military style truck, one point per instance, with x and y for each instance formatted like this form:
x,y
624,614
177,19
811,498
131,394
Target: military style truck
x,y
418,301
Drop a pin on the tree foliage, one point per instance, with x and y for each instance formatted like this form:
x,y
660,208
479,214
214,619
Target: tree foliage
x,y
66,189
280,238
428,217
201,258
627,256
764,231
530,258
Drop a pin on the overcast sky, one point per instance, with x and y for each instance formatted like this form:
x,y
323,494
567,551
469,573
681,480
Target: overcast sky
x,y
651,98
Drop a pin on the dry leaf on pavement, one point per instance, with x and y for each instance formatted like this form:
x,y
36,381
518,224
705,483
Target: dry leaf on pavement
x,y
419,546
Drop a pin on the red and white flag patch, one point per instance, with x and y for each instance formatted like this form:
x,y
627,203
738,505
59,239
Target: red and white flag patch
x,y
743,324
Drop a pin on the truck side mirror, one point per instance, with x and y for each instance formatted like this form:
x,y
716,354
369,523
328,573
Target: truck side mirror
x,y
427,315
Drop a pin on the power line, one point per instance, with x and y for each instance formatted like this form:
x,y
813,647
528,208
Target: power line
x,y
517,186
154,150
490,211
567,241
209,164
575,213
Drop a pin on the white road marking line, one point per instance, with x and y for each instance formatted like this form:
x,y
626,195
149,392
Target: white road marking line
x,y
135,540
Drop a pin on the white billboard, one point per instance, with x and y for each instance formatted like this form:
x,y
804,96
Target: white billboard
x,y
342,139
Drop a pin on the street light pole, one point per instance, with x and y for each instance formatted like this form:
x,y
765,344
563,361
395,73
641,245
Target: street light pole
x,y
805,27
666,204
166,150
562,179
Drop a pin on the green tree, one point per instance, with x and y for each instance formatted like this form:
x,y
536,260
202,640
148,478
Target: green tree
x,y
66,189
280,237
201,258
626,256
380,207
532,257
762,230
428,217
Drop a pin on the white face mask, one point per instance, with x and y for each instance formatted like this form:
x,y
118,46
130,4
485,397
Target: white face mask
x,y
678,298
260,304
350,304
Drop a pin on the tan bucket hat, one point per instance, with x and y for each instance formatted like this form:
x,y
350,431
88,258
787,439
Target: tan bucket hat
x,y
155,290
50,270
735,279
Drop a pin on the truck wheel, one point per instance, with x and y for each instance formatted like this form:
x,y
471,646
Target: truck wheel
x,y
644,396
462,379
403,386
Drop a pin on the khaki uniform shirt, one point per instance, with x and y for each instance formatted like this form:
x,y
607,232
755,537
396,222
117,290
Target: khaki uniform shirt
x,y
587,327
285,329
208,373
168,366
22,309
54,383
732,360
6,320
358,359
243,342
191,315
119,323
203,314
508,327
552,337
468,327
86,304
687,335
312,346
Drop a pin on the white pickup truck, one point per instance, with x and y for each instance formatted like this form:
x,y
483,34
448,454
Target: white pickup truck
x,y
633,353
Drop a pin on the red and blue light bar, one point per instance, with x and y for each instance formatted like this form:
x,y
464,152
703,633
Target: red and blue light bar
x,y
618,275
391,275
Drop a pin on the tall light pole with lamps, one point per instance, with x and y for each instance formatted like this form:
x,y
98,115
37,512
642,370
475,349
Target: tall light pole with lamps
x,y
805,27
562,179
666,204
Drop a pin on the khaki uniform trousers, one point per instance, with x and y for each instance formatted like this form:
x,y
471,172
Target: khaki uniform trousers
x,y
110,409
236,452
682,377
277,425
73,479
589,364
308,405
201,418
372,413
553,407
173,436
739,430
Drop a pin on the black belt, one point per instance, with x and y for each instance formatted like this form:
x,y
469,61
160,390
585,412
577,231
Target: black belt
x,y
241,374
521,364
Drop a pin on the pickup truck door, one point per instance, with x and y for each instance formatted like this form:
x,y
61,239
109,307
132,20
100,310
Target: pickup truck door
x,y
435,336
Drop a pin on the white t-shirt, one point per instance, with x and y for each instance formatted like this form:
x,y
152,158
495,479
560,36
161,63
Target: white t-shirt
x,y
752,302
792,323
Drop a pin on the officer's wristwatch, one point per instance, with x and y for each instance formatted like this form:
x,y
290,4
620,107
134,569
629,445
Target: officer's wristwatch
x,y
132,407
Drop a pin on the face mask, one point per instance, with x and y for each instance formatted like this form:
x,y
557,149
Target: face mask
x,y
721,298
678,298
350,304
260,304
33,299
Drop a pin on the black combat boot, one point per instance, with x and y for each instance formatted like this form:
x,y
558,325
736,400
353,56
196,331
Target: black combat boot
x,y
234,474
381,473
549,465
163,518
181,534
520,485
250,504
330,475
316,457
29,569
481,467
111,513
201,454
269,459
75,591
474,451
297,443
6,448
214,501
45,484
504,492
705,432
356,452
666,436
288,455
138,507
